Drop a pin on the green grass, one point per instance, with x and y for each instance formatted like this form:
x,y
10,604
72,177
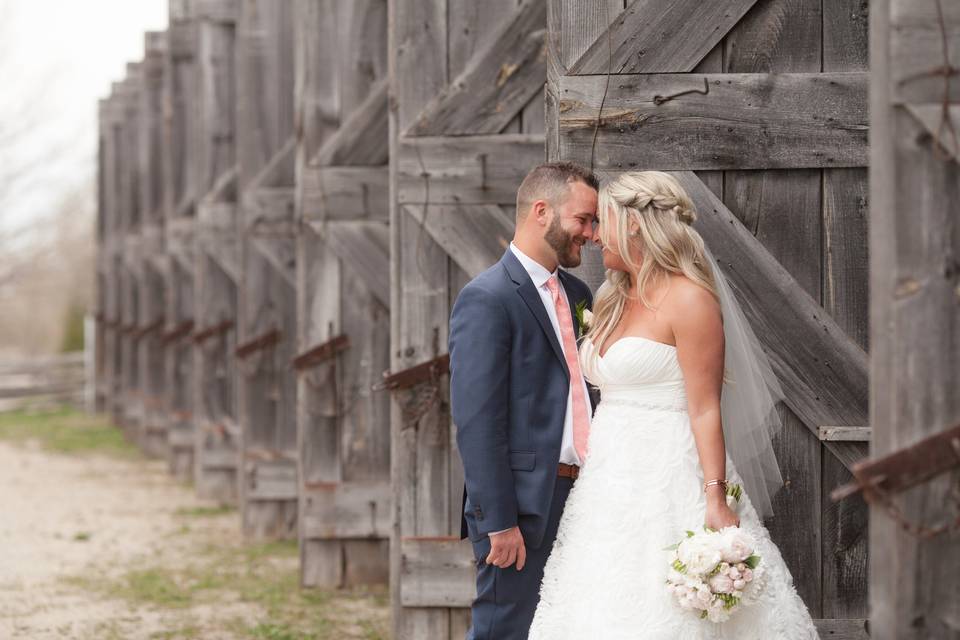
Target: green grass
x,y
263,579
65,431
204,512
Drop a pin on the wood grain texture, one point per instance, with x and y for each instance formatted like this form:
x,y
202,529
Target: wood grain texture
x,y
915,326
340,511
578,25
362,137
658,36
746,121
437,572
474,236
364,247
467,170
496,83
344,193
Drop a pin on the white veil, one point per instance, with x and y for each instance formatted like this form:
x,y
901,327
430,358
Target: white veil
x,y
748,404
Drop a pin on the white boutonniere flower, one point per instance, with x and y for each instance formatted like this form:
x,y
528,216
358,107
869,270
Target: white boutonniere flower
x,y
584,315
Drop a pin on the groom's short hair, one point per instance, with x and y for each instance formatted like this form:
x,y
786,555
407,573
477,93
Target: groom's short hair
x,y
550,181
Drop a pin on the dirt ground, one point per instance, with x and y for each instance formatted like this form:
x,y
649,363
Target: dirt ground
x,y
109,546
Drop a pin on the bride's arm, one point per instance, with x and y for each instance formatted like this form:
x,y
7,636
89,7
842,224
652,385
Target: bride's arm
x,y
697,325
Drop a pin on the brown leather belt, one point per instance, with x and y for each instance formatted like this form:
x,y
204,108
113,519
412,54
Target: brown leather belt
x,y
571,471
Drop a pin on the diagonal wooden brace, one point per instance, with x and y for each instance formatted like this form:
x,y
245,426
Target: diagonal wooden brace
x,y
180,331
213,331
259,343
321,353
413,376
905,468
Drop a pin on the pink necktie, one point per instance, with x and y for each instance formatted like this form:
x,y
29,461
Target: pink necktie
x,y
581,419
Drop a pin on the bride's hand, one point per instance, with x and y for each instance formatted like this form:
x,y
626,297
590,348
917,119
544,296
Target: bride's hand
x,y
718,514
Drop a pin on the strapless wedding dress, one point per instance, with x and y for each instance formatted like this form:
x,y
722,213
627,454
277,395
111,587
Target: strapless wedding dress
x,y
640,488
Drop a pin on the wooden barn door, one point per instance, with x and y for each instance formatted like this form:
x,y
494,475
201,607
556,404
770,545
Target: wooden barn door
x,y
467,124
179,192
267,295
759,107
343,291
152,440
217,268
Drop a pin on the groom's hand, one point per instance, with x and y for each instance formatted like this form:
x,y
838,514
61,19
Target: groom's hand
x,y
506,548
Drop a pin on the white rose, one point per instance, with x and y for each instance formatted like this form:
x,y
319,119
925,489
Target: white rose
x,y
587,318
699,554
737,545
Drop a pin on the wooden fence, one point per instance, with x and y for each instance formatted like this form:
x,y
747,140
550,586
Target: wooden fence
x,y
293,192
44,381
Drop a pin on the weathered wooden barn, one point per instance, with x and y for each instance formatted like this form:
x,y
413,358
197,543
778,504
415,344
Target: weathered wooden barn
x,y
293,192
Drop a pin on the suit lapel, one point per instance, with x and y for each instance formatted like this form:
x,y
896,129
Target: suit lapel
x,y
534,303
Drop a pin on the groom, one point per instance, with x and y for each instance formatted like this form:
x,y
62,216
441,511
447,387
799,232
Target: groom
x,y
519,400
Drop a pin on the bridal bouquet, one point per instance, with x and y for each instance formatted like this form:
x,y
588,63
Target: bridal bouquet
x,y
714,573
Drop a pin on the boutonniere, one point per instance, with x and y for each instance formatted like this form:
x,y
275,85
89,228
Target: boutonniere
x,y
584,315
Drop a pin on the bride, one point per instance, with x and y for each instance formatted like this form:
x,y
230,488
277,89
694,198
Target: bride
x,y
666,338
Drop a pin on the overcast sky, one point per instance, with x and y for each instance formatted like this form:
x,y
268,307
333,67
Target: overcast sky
x,y
60,57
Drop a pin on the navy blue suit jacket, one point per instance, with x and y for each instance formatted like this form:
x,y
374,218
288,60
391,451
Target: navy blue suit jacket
x,y
508,391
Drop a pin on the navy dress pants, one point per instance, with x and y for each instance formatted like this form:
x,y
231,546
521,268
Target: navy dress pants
x,y
507,598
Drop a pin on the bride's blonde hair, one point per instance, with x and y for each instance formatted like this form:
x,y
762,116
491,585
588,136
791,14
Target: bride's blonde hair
x,y
650,213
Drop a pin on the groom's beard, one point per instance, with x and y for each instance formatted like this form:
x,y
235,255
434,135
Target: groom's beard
x,y
563,244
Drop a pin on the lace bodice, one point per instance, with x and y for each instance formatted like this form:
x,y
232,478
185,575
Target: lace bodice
x,y
635,370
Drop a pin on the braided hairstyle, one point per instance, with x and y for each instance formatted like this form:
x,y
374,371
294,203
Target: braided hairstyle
x,y
646,214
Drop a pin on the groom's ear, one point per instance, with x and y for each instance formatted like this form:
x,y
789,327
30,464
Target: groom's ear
x,y
541,212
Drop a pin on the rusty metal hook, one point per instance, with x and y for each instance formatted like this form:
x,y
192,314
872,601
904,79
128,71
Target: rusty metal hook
x,y
659,100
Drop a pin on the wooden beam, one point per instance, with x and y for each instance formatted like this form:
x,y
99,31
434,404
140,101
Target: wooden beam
x,y
716,121
362,139
822,371
474,235
844,434
657,36
330,193
365,248
496,84
437,572
462,170
344,510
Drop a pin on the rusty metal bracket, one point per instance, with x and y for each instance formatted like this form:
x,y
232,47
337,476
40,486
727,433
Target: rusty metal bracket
x,y
894,473
430,370
321,353
210,332
144,331
179,331
263,341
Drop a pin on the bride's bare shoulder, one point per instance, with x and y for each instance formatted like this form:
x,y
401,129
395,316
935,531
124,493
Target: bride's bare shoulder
x,y
687,299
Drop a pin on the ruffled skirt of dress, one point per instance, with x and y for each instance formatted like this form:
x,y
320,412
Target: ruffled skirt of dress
x,y
639,490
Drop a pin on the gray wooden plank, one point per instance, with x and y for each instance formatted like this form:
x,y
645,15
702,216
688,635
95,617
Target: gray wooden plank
x,y
482,169
339,511
845,296
496,83
437,572
474,236
842,628
361,138
747,121
915,344
363,248
332,193
470,25
580,24
656,36
420,56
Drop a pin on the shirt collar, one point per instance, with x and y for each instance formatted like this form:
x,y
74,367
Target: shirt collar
x,y
537,272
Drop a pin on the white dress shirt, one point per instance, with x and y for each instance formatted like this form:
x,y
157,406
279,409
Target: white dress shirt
x,y
539,274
